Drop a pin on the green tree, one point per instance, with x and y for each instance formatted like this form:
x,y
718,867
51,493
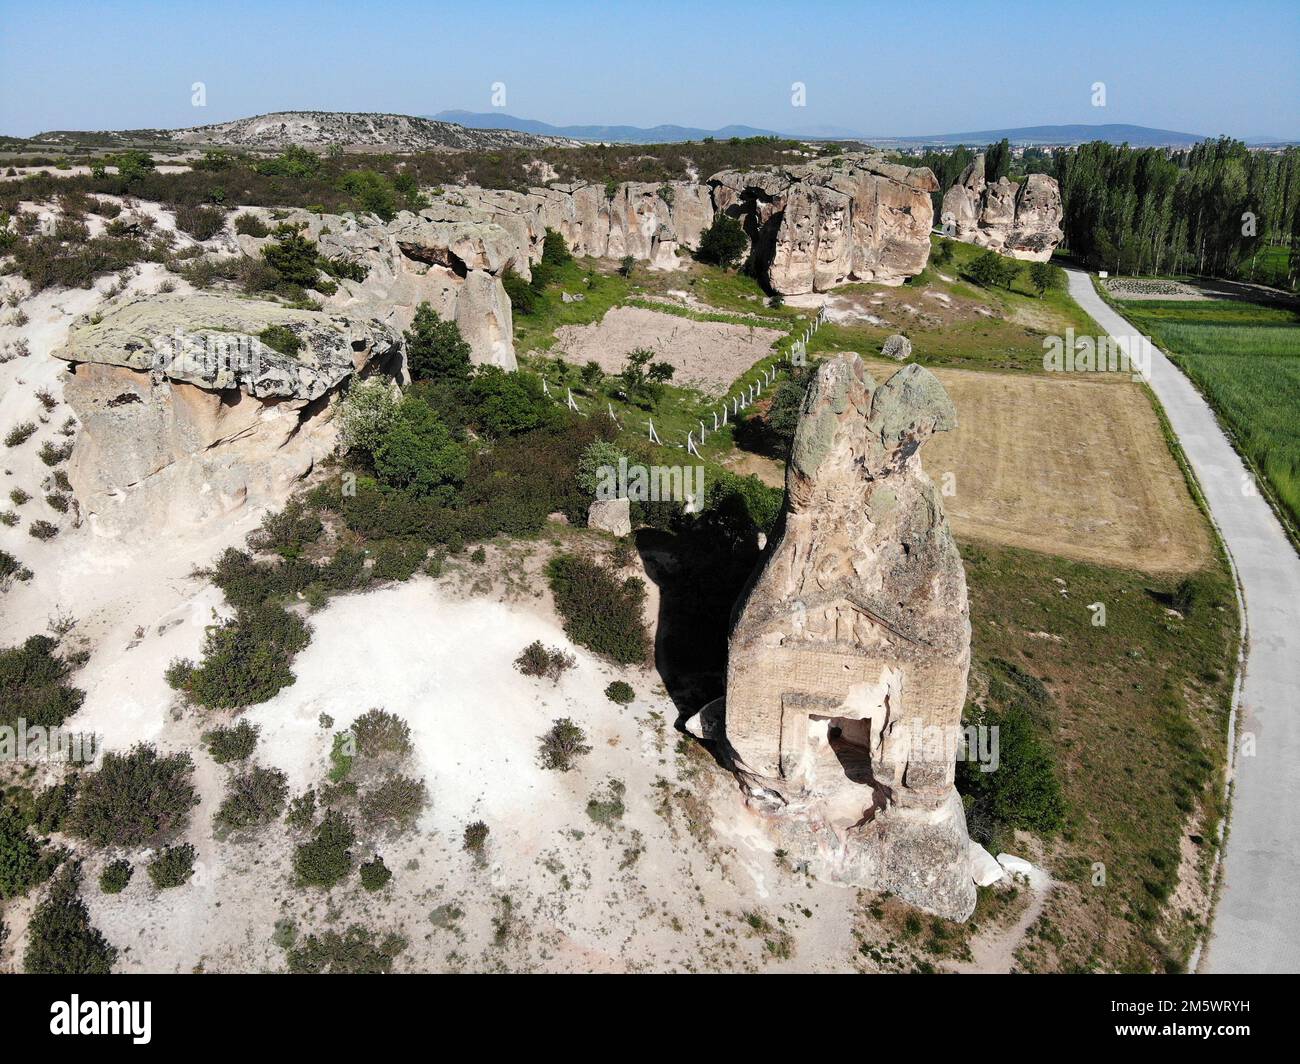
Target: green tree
x,y
1045,277
293,257
418,454
435,348
723,243
554,250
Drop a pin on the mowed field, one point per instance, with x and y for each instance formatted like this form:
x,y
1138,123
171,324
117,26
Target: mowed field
x,y
1245,359
1070,466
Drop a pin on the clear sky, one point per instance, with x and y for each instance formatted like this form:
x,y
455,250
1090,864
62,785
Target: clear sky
x,y
898,68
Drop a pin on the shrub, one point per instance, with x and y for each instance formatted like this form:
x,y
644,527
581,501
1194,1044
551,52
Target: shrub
x,y
594,467
561,744
52,454
134,799
235,743
1044,277
398,560
172,866
115,877
608,809
476,835
327,857
254,798
282,339
43,530
58,501
302,811
395,802
600,612
365,416
20,434
202,223
354,952
292,257
23,863
507,404
418,455
33,685
18,497
555,252
250,225
620,691
435,348
943,252
245,660
9,519
723,243
10,567
379,733
538,660
375,874
522,296
61,939
287,531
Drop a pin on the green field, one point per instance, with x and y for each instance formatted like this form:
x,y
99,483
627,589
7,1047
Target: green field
x,y
1245,359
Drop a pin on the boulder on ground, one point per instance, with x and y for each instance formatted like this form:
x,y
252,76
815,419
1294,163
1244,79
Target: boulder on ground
x,y
612,515
898,347
984,868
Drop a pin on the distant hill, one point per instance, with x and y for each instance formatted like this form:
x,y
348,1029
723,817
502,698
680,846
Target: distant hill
x,y
613,134
319,129
1138,136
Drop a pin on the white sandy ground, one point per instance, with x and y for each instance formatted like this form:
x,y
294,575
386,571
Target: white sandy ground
x,y
667,888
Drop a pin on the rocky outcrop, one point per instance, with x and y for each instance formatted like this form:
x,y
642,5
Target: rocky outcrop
x,y
450,256
187,416
1020,220
849,651
851,217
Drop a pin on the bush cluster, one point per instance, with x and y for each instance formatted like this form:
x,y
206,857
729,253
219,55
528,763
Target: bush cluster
x,y
600,612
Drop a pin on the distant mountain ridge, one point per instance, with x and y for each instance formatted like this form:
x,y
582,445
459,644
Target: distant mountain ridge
x,y
1114,133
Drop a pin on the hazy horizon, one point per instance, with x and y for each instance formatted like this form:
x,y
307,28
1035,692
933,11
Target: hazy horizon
x,y
880,70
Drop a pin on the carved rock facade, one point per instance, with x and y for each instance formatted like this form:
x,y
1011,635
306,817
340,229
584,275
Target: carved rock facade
x,y
849,651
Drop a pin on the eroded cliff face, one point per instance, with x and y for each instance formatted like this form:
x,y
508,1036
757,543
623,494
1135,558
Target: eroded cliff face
x,y
851,217
849,652
1020,220
186,416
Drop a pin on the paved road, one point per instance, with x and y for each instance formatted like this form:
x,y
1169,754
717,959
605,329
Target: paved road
x,y
1257,927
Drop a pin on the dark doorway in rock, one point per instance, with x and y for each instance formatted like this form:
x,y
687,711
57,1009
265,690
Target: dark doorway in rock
x,y
850,740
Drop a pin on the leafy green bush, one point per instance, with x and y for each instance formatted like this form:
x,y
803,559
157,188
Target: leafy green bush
x,y
172,866
561,745
600,612
620,691
538,660
398,559
115,877
20,434
292,257
476,836
375,874
245,660
23,860
33,685
522,295
282,339
287,531
365,416
43,530
326,859
134,799
418,454
234,743
555,252
61,939
355,952
254,798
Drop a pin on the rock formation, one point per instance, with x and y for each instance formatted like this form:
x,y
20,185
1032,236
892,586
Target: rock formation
x,y
186,415
1020,220
850,217
849,651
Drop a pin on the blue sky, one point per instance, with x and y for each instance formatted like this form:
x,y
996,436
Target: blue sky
x,y
906,67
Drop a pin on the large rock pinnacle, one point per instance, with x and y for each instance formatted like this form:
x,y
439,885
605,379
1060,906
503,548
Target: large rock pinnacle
x,y
849,652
